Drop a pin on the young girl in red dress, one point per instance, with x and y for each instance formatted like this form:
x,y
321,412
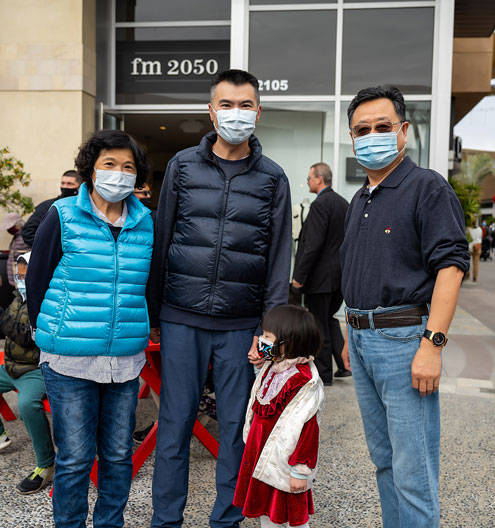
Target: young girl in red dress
x,y
281,430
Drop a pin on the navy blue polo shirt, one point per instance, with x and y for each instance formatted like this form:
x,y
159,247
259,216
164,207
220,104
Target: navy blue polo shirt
x,y
399,236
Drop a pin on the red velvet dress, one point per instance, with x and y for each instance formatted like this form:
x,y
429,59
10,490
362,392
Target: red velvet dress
x,y
257,498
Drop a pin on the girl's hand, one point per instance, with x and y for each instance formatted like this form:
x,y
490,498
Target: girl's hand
x,y
155,335
253,356
298,485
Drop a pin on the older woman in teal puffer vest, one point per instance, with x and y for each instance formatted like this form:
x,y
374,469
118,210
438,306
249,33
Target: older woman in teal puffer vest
x,y
86,292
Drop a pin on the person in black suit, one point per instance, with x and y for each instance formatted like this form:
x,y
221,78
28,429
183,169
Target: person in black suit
x,y
317,271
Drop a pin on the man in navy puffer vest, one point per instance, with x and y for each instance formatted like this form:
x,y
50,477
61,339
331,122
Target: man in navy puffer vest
x,y
221,259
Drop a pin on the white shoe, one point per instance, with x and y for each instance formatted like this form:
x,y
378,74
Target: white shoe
x,y
4,440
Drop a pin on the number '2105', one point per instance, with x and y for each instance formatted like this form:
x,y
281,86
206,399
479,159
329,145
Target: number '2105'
x,y
274,85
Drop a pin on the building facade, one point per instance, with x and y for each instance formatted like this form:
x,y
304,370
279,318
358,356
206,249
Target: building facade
x,y
69,67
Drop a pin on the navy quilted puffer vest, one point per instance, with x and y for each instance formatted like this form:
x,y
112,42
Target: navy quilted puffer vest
x,y
217,258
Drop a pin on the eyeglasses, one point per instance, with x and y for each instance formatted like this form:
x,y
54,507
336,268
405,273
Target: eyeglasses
x,y
20,277
382,127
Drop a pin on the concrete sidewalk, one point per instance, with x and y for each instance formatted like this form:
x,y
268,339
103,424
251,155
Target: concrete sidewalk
x,y
345,493
469,357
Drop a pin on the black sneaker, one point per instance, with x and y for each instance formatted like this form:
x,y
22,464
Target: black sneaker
x,y
342,373
139,436
38,479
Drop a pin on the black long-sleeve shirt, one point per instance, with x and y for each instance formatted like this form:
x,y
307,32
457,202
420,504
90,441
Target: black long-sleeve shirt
x,y
399,236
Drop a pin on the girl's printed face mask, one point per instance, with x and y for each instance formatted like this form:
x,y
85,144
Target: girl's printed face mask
x,y
268,350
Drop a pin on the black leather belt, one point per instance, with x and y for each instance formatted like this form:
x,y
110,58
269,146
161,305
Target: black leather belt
x,y
408,317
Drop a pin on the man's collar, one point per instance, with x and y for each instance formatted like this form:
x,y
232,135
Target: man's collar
x,y
396,177
207,142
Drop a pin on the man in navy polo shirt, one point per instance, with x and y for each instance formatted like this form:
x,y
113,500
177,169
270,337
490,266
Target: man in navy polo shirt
x,y
403,259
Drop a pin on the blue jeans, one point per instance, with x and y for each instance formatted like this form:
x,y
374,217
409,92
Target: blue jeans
x,y
186,354
90,418
402,428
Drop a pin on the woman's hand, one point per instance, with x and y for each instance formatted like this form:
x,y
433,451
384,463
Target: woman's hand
x,y
155,335
253,355
298,485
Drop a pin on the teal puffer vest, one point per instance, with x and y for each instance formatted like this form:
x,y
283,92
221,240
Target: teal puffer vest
x,y
95,304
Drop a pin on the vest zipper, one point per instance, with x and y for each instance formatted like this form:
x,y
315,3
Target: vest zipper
x,y
115,277
219,242
220,237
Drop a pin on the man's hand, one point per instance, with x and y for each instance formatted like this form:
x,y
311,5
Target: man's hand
x,y
155,335
253,355
298,485
345,355
296,284
426,368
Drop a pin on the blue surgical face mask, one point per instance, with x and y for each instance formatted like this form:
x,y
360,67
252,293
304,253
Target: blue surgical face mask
x,y
21,286
376,151
114,186
268,350
235,125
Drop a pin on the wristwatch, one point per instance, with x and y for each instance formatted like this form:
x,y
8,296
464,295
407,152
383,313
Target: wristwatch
x,y
437,338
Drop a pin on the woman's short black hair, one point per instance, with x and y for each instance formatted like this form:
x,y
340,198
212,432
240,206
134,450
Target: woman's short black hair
x,y
378,92
107,140
296,327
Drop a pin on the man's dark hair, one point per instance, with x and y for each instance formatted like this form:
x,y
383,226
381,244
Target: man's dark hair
x,y
323,170
73,174
296,327
378,92
107,140
238,78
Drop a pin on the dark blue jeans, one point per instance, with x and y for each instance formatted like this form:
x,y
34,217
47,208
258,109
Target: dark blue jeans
x,y
90,418
186,354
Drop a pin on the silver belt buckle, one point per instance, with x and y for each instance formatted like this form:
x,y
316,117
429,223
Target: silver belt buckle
x,y
353,320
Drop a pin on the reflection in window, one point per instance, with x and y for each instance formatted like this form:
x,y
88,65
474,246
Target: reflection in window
x,y
352,175
171,10
388,47
278,2
293,52
296,139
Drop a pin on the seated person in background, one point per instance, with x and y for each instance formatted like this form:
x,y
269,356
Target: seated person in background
x,y
21,373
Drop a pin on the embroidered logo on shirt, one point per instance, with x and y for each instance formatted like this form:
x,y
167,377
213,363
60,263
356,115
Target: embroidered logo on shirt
x,y
387,230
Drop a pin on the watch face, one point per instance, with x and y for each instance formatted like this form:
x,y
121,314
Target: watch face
x,y
438,339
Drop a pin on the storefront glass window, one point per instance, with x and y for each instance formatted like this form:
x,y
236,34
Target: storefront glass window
x,y
390,47
171,10
293,52
296,138
278,2
169,65
374,1
352,174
